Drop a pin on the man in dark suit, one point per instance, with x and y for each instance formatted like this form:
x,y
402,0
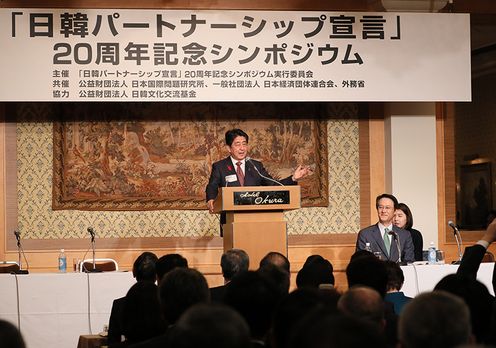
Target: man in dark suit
x,y
240,170
384,236
143,271
232,263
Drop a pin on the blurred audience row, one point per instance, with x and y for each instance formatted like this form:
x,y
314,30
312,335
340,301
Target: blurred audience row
x,y
257,308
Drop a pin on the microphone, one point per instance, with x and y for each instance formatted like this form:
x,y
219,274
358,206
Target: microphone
x,y
20,252
91,231
458,238
453,226
397,242
248,159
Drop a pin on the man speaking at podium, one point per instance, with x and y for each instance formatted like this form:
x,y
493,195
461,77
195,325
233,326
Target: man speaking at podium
x,y
240,170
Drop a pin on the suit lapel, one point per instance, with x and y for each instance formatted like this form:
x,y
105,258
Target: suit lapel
x,y
228,169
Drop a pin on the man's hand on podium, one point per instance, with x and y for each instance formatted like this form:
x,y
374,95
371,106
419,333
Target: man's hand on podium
x,y
302,172
210,206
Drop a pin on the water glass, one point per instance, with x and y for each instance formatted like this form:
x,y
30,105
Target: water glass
x,y
440,258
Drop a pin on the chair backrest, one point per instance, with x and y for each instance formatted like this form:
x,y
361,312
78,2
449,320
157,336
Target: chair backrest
x,y
488,257
8,266
103,265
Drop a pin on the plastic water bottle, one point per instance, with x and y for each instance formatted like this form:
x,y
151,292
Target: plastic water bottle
x,y
367,247
62,261
431,255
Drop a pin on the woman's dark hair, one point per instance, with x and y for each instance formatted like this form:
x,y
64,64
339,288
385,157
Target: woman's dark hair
x,y
409,217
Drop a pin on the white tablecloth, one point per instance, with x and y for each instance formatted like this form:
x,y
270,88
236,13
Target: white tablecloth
x,y
422,278
56,308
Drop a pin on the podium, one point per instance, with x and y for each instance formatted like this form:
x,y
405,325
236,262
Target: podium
x,y
255,218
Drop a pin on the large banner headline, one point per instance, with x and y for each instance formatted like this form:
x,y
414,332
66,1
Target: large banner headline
x,y
218,55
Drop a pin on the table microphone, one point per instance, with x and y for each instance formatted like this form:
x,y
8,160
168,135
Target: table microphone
x,y
248,159
91,231
20,251
458,238
398,245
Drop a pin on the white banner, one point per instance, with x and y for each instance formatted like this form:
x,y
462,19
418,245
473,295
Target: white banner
x,y
194,55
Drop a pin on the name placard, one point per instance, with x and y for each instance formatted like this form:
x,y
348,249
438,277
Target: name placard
x,y
261,197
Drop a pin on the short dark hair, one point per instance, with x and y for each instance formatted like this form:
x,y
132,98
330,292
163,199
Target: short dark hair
x,y
141,318
362,302
388,196
167,263
233,133
233,262
445,321
316,270
368,271
409,217
396,278
210,326
180,289
10,336
144,267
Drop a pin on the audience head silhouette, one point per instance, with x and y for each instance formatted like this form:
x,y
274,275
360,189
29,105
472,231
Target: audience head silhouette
x,y
255,298
363,302
180,289
144,267
315,272
369,271
277,259
142,318
233,262
435,319
321,328
476,297
10,336
168,262
210,326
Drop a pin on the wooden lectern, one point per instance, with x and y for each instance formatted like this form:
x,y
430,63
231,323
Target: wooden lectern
x,y
255,218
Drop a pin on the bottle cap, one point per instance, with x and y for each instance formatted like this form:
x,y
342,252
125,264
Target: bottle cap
x,y
62,250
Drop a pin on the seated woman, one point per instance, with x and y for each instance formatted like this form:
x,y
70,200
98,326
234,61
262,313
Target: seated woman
x,y
403,219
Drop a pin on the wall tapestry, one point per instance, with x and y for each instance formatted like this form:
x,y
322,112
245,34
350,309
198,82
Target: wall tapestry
x,y
142,156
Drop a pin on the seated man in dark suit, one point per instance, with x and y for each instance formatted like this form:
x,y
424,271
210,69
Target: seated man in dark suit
x,y
240,170
384,237
232,263
143,270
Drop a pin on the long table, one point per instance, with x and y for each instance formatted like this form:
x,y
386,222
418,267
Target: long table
x,y
54,309
422,278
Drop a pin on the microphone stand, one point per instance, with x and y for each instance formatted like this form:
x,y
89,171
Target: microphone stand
x,y
94,270
458,239
19,252
248,159
93,251
398,246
